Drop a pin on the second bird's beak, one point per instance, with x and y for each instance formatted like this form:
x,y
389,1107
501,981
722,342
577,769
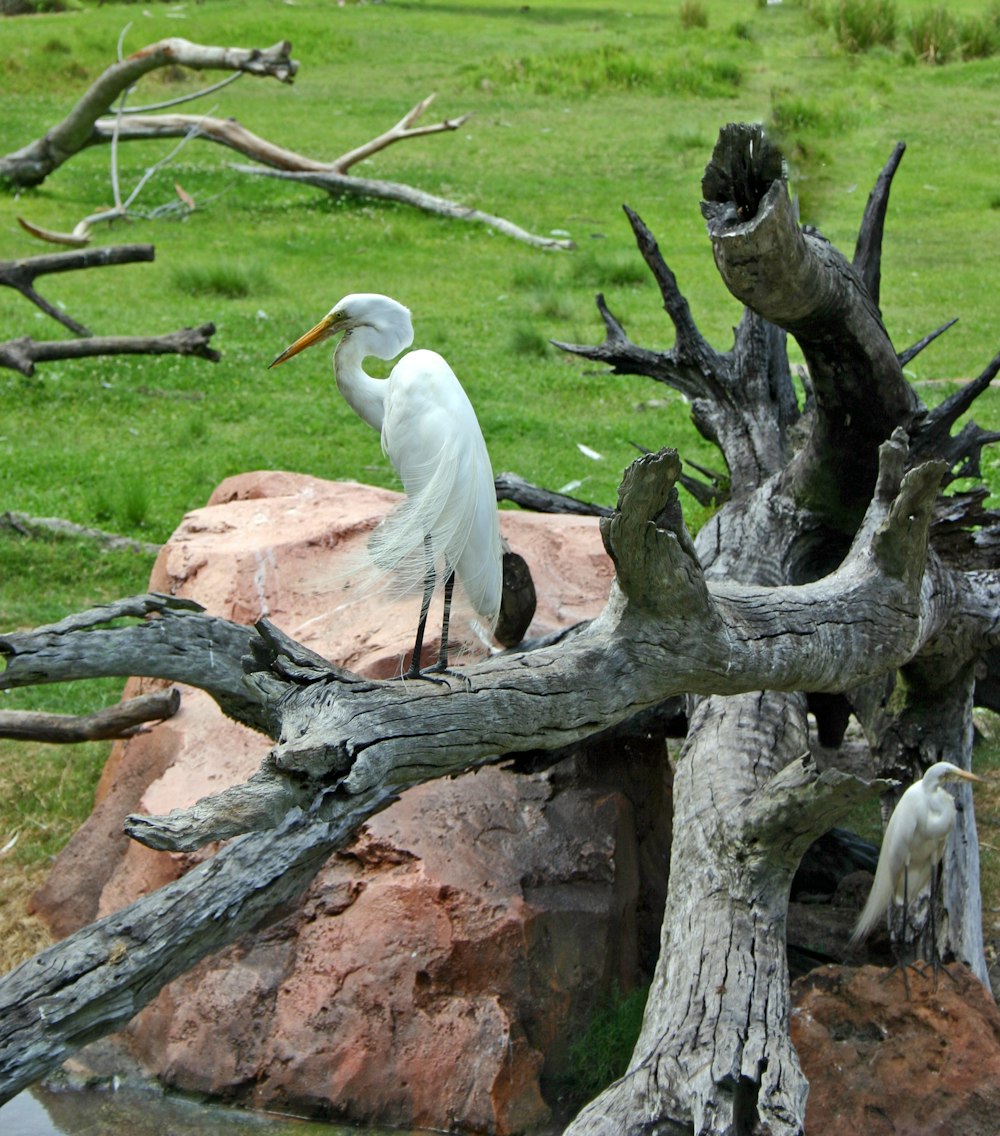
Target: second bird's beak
x,y
967,776
326,327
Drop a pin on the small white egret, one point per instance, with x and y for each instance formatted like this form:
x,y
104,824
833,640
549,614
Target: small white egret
x,y
912,847
448,525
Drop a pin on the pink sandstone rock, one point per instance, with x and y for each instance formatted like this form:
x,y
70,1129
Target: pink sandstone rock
x,y
435,971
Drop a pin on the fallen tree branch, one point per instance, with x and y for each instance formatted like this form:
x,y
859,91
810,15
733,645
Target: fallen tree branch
x,y
21,274
26,524
338,185
22,354
86,126
92,983
33,163
121,721
228,132
512,487
665,631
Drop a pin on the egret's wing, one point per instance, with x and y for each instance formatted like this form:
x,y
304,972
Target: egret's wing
x,y
892,859
432,437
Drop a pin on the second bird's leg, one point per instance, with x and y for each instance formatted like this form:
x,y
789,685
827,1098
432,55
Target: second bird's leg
x,y
899,943
936,964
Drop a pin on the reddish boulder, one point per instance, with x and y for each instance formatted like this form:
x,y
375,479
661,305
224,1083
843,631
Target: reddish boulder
x,y
881,1064
435,971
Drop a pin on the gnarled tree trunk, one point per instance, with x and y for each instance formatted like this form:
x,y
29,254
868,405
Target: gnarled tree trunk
x,y
818,577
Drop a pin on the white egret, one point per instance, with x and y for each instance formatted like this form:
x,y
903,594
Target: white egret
x,y
448,525
913,847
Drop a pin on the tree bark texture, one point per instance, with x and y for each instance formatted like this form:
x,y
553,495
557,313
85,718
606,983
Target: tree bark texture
x,y
819,575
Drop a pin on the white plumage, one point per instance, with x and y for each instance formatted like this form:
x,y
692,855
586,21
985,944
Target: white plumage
x,y
913,844
448,522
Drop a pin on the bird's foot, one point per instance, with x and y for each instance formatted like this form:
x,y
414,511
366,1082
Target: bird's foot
x,y
429,674
440,668
425,674
937,967
902,967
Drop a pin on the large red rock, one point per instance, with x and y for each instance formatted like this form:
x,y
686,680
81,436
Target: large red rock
x,y
435,972
882,1064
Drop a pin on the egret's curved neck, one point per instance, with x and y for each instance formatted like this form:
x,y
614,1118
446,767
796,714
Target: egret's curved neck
x,y
364,394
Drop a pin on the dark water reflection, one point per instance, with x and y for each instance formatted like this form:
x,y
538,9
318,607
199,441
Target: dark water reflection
x,y
102,1112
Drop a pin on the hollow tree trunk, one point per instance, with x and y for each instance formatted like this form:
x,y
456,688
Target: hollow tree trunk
x,y
714,1055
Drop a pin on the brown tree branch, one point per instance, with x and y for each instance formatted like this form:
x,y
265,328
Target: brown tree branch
x,y
229,132
337,184
121,721
32,164
22,273
22,354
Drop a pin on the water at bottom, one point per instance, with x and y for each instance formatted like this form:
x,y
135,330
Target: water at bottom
x,y
103,1112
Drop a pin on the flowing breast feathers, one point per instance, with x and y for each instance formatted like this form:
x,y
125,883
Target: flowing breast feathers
x,y
431,431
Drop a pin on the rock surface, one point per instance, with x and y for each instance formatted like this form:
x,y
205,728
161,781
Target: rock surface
x,y
437,971
880,1064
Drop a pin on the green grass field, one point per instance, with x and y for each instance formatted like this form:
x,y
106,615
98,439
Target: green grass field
x,y
576,109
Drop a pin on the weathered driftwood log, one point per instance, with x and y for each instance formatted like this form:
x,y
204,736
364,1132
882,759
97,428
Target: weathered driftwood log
x,y
27,525
818,575
713,1055
664,631
119,721
85,126
33,163
22,354
93,983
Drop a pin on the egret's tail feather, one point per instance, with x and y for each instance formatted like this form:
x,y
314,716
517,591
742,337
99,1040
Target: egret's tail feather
x,y
425,529
876,906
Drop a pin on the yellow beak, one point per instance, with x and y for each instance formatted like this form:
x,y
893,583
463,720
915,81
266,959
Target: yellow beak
x,y
326,327
968,776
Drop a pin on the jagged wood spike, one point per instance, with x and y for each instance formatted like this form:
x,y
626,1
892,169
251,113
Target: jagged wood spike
x,y
904,357
944,416
690,341
868,250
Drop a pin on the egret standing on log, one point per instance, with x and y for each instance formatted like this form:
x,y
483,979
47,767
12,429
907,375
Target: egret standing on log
x,y
448,525
912,848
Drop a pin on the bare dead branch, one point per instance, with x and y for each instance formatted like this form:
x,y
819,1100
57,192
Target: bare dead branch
x,y
21,275
511,487
868,248
22,354
32,164
340,184
402,130
26,524
93,982
121,721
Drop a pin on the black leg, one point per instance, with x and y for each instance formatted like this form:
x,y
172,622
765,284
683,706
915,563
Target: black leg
x,y
903,951
899,944
425,604
936,964
441,666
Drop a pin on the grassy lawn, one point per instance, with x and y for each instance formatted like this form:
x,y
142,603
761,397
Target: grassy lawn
x,y
576,109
